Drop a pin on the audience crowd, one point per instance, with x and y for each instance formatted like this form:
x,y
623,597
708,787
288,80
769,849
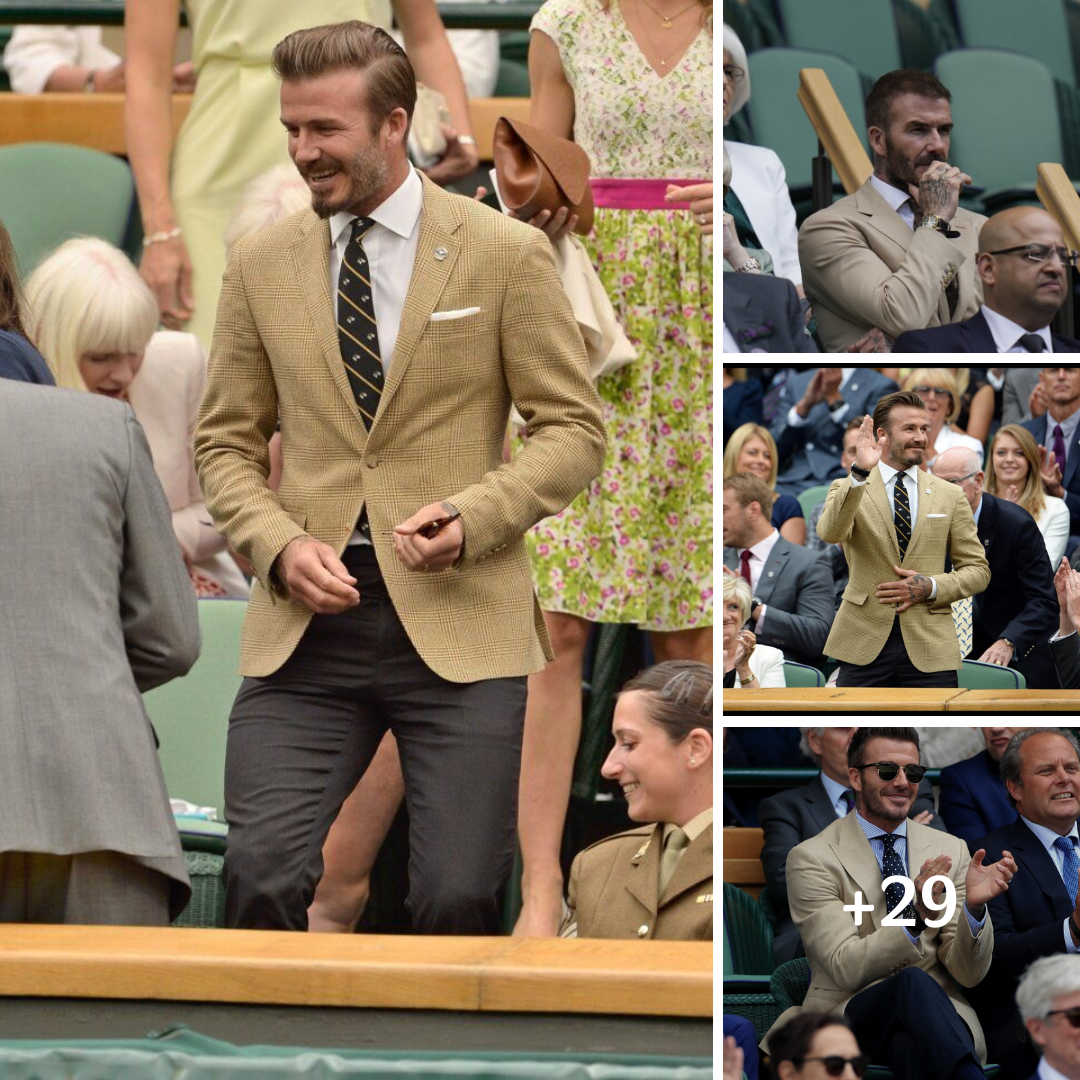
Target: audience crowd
x,y
1006,520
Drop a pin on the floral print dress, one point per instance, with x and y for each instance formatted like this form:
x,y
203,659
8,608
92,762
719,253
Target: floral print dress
x,y
636,546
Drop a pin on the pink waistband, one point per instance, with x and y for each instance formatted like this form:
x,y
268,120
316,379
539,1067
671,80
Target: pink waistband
x,y
618,194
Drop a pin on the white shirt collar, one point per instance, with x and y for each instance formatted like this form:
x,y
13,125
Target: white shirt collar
x,y
398,213
845,374
888,472
834,790
1046,1071
1047,837
896,198
1007,333
762,548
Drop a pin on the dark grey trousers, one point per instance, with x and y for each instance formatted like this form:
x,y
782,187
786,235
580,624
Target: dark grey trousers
x,y
300,739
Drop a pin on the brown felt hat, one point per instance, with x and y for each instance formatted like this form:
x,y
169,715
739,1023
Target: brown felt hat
x,y
540,171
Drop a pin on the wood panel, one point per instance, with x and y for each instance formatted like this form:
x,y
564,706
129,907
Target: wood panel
x,y
834,129
837,700
1012,701
742,858
1058,195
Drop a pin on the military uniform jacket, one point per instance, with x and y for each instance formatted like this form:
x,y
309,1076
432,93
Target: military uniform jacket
x,y
614,886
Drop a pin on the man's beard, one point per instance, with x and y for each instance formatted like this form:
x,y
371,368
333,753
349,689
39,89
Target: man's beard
x,y
899,170
876,804
367,175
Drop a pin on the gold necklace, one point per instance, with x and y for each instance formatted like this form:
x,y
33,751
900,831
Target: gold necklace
x,y
667,20
681,45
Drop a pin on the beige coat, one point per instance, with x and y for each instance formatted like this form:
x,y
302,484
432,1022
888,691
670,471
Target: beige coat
x,y
861,519
863,267
437,435
824,874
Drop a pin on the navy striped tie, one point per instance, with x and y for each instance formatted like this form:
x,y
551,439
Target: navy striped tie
x,y
358,334
902,516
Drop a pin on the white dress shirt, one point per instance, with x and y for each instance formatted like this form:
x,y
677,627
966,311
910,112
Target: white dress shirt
x,y
1007,334
35,52
759,556
838,417
1046,837
897,199
390,246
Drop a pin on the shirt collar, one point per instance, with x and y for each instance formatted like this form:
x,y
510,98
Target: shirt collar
x,y
1046,1071
398,213
892,195
888,472
1007,333
832,788
1048,836
845,374
873,832
695,826
762,548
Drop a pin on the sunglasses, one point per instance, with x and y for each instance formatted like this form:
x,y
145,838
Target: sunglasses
x,y
834,1063
887,770
1072,1015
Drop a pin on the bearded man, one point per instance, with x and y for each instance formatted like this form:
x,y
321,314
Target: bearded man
x,y
899,253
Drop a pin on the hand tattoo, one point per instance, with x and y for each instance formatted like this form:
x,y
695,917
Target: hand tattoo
x,y
918,588
933,196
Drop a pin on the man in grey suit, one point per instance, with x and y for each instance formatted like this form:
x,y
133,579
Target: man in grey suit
x,y
1022,398
798,814
814,409
97,607
762,314
793,606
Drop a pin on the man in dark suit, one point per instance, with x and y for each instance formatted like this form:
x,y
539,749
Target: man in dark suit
x,y
799,813
762,314
814,409
1037,914
972,796
1017,614
793,598
1059,441
1048,992
1065,644
1023,263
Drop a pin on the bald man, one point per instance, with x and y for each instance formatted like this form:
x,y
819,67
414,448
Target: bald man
x,y
1023,264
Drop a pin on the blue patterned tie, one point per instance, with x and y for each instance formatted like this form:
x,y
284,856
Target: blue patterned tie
x,y
892,866
1071,869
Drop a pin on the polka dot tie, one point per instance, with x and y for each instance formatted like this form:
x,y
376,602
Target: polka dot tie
x,y
892,865
1071,868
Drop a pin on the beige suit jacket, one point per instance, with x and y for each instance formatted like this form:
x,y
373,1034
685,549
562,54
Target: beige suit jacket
x,y
824,874
437,435
862,520
863,267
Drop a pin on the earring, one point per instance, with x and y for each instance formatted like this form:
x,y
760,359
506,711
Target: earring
x,y
693,761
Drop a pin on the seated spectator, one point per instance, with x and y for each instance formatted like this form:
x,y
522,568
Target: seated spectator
x,y
1036,915
758,197
816,1045
654,882
744,664
18,357
797,814
72,59
95,319
812,412
742,251
899,253
1014,618
937,387
899,987
761,314
979,404
972,797
1013,474
1048,995
1023,265
1058,441
742,400
1065,644
751,449
792,606
1023,395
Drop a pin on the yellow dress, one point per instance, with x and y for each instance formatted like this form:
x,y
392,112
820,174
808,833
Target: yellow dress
x,y
233,132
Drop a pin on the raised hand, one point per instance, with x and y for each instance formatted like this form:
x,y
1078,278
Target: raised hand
x,y
1061,580
938,191
1072,602
1038,402
941,864
985,881
867,450
924,818
1050,472
912,588
1013,494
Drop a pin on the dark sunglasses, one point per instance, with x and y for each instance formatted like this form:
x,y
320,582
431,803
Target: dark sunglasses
x,y
887,770
1072,1015
834,1063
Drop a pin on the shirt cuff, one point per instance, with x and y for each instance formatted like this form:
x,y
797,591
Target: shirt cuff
x,y
855,481
841,414
974,924
933,588
911,937
760,619
1069,946
795,420
994,381
1060,637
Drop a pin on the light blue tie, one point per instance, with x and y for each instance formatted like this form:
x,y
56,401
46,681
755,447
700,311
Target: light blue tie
x,y
1071,869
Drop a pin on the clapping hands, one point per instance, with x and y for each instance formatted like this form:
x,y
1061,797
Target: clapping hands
x,y
1050,472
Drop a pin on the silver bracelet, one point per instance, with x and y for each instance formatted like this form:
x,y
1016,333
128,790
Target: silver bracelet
x,y
161,237
466,140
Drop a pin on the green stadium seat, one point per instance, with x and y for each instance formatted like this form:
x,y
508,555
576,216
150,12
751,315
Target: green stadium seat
x,y
751,934
977,676
1036,28
87,192
790,982
512,80
765,902
5,37
809,498
802,675
863,32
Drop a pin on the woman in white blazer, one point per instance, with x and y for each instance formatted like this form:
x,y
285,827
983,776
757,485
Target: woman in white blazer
x,y
94,320
757,175
745,662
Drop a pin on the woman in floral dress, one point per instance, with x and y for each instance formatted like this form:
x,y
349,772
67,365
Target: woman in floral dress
x,y
631,82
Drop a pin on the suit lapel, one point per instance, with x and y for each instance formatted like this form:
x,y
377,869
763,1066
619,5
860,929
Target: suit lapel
x,y
1029,852
858,860
927,503
821,807
880,498
644,882
883,218
977,332
771,571
695,866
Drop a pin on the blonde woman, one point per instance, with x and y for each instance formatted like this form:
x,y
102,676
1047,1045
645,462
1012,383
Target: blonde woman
x,y
746,663
941,395
752,449
95,321
1012,473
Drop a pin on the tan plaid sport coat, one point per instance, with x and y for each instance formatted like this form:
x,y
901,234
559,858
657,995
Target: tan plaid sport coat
x,y
862,520
438,432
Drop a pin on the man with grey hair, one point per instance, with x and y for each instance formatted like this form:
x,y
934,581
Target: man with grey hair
x,y
1017,614
797,814
1049,1001
1039,914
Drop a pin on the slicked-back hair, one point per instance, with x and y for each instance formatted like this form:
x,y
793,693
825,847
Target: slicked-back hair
x,y
677,696
892,84
864,734
899,400
1012,761
351,46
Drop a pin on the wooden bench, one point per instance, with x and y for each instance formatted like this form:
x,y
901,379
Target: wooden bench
x,y
742,859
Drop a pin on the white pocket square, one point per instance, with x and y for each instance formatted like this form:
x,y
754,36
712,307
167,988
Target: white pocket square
x,y
461,313
937,515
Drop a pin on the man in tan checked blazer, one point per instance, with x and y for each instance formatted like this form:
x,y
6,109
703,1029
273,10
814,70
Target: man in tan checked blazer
x,y
895,626
358,623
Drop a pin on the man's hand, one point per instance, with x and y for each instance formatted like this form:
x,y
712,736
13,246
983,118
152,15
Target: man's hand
x,y
733,1059
441,551
941,864
1038,402
458,160
924,818
983,883
867,450
1050,472
316,577
1072,601
1000,653
873,340
1061,581
938,191
728,572
831,378
912,588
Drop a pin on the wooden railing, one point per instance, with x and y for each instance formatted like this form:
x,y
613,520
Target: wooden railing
x,y
834,129
742,858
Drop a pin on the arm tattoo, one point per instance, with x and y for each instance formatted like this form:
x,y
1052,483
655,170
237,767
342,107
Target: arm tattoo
x,y
934,196
918,588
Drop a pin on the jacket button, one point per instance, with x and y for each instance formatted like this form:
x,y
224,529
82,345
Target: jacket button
x,y
373,461
642,930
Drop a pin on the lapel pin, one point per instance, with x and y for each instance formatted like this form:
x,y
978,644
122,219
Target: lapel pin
x,y
441,253
927,492
770,575
853,389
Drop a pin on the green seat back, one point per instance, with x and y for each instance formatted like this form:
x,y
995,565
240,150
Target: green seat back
x,y
863,32
514,45
1036,28
86,193
809,498
191,714
512,80
976,676
780,122
206,908
989,114
790,982
802,675
751,936
765,902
